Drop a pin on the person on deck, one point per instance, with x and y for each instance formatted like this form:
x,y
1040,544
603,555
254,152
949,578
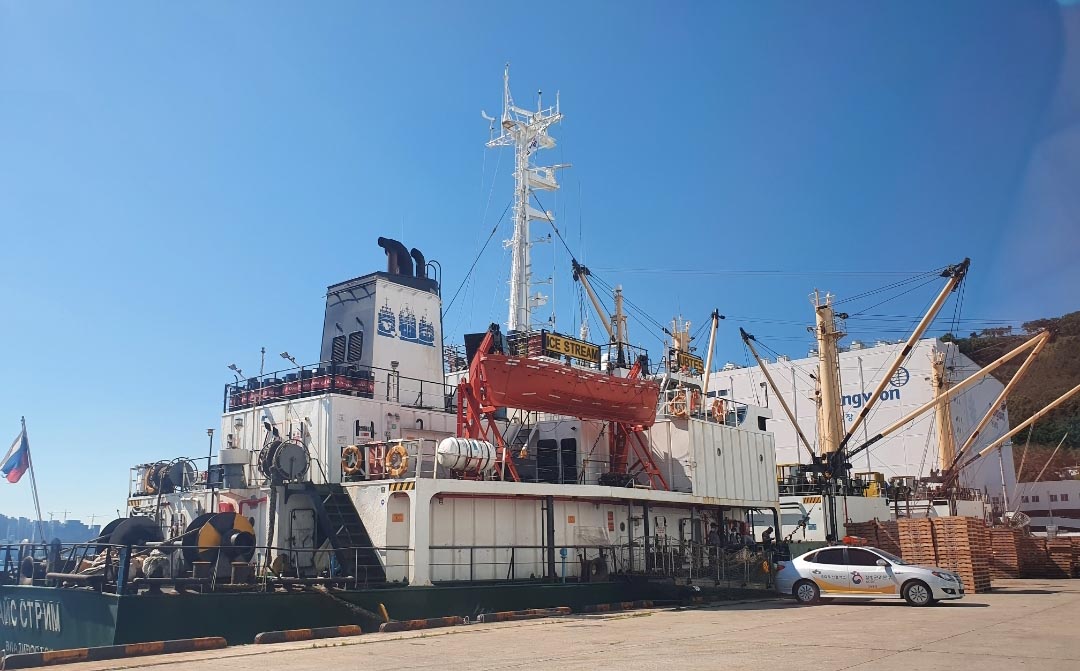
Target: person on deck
x,y
716,541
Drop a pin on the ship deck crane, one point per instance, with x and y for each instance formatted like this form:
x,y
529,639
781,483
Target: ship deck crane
x,y
833,461
614,325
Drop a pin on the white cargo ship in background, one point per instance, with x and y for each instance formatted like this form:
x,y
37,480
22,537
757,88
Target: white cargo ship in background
x,y
895,430
908,456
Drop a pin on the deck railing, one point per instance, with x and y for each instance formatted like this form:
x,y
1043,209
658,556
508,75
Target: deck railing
x,y
732,566
352,379
119,569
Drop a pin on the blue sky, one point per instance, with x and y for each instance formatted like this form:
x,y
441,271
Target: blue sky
x,y
179,182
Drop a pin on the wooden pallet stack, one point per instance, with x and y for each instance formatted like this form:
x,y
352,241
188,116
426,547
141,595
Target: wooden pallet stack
x,y
865,530
1075,540
963,547
916,536
1005,558
882,535
1060,553
889,536
1034,560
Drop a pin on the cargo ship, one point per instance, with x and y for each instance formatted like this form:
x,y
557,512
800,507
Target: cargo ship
x,y
400,478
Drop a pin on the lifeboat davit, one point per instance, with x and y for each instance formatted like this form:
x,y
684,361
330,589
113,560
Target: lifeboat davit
x,y
550,386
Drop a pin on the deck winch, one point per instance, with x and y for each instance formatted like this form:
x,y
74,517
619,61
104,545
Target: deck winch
x,y
283,461
219,535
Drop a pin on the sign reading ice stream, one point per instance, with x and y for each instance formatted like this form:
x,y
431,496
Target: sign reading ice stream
x,y
558,345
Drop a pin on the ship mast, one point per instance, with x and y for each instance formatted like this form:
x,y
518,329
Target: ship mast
x,y
942,413
527,132
830,412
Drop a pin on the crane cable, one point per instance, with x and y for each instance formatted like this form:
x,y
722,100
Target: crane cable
x,y
477,259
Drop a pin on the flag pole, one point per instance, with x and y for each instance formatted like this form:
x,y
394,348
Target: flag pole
x,y
33,483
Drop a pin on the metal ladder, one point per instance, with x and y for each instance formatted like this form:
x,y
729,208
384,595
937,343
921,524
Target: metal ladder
x,y
341,525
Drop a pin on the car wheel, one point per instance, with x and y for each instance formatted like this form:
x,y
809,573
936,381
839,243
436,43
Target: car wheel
x,y
917,593
806,592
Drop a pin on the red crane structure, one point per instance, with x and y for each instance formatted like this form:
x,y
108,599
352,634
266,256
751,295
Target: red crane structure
x,y
499,380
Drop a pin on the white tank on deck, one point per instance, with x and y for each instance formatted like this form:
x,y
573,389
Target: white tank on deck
x,y
466,454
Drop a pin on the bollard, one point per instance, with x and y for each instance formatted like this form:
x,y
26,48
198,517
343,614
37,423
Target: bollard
x,y
528,614
289,635
411,625
33,659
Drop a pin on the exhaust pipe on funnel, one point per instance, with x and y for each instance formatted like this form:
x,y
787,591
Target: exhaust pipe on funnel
x,y
421,263
398,261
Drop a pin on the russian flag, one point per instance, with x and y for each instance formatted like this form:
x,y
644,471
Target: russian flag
x,y
17,460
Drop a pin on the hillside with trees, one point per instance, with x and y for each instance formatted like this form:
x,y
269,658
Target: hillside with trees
x,y
1055,371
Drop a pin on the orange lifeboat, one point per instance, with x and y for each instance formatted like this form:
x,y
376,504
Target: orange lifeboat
x,y
550,386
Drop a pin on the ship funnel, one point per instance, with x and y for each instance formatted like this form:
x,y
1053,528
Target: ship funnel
x,y
398,261
421,263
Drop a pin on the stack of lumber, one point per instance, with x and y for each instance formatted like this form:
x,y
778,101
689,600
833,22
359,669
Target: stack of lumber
x,y
916,536
864,530
963,547
889,536
1005,558
882,535
1061,557
1034,560
1075,540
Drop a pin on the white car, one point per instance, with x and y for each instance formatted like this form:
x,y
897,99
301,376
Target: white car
x,y
863,573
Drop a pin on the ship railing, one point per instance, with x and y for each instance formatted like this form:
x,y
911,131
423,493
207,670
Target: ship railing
x,y
370,565
119,569
615,356
509,563
729,565
739,565
683,403
351,379
371,464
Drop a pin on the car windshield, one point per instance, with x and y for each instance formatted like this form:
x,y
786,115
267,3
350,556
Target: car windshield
x,y
891,557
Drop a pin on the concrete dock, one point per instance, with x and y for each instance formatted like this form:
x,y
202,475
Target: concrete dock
x,y
1023,624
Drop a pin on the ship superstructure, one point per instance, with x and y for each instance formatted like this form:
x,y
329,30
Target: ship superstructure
x,y
535,451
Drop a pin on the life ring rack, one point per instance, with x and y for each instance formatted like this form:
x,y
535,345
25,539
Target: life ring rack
x,y
397,461
677,405
718,410
682,407
351,460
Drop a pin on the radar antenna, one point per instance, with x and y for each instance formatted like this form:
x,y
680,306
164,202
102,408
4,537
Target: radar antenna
x,y
527,132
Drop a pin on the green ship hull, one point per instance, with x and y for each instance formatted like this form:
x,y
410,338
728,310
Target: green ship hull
x,y
45,618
